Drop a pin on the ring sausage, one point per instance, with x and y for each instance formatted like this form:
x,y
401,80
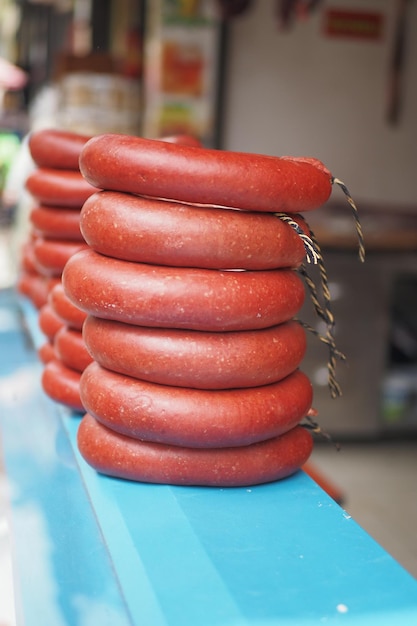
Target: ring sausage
x,y
205,176
46,352
36,288
71,315
202,360
60,149
62,384
48,321
56,222
27,260
51,255
197,299
53,187
117,455
194,417
70,348
169,233
56,148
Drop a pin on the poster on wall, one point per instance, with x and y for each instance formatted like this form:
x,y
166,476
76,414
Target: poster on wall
x,y
181,61
354,24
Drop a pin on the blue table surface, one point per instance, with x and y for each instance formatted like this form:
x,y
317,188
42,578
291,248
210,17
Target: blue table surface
x,y
93,550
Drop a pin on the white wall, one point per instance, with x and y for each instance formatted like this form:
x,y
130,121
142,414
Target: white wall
x,y
303,93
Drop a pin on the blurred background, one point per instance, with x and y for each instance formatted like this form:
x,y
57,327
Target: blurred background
x,y
333,79
329,79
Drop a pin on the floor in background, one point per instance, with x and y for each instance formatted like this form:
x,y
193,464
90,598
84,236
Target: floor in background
x,y
379,484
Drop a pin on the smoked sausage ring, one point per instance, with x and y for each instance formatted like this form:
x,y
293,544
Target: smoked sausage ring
x,y
203,360
36,287
117,455
56,222
27,260
48,321
172,297
70,348
62,384
60,149
147,230
56,148
53,187
46,352
205,176
65,309
194,417
51,255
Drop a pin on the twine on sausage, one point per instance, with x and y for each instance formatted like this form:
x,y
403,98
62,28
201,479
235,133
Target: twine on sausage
x,y
324,312
355,213
314,427
326,315
309,247
334,354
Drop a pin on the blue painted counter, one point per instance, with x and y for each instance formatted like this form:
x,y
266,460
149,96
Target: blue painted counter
x,y
91,550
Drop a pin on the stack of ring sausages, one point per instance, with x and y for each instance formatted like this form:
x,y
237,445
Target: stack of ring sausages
x,y
59,192
63,368
190,290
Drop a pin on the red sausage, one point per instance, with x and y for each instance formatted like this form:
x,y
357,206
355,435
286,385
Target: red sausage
x,y
56,148
46,352
204,176
194,417
51,255
56,222
28,284
70,348
202,360
49,322
71,315
62,384
169,233
117,455
28,262
35,288
66,188
172,297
